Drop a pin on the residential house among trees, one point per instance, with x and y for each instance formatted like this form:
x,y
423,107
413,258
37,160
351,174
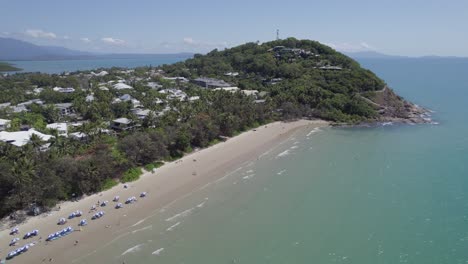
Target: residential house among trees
x,y
210,83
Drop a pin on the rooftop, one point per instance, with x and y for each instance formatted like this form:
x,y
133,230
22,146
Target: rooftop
x,y
21,138
121,86
122,120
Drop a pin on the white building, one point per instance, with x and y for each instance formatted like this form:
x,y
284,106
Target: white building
x,y
154,85
61,128
122,86
250,92
64,90
227,89
233,74
180,79
89,98
21,138
65,109
4,124
142,113
102,73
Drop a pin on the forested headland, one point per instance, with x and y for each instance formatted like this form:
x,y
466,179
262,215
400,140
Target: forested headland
x,y
279,80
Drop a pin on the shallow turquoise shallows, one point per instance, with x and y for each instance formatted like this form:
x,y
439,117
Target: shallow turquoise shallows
x,y
386,194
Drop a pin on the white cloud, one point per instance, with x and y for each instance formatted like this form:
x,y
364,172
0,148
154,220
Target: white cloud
x,y
351,47
203,45
66,37
38,33
85,40
188,41
113,41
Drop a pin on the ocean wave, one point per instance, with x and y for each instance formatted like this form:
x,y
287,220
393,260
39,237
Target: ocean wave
x,y
181,214
172,226
248,176
139,222
133,249
281,172
315,130
157,252
142,229
284,153
387,123
200,205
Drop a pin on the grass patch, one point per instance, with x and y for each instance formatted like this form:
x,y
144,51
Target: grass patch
x,y
132,174
154,165
214,142
108,183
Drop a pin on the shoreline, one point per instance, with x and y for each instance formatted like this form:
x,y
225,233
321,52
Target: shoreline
x,y
168,184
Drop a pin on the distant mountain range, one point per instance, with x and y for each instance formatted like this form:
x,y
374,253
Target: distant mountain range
x,y
13,49
371,55
18,50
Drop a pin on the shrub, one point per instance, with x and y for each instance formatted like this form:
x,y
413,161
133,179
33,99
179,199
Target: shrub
x,y
132,174
108,184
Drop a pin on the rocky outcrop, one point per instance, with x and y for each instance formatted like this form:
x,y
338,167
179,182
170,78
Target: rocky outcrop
x,y
393,108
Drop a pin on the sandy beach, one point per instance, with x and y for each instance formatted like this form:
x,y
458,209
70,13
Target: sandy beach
x,y
168,184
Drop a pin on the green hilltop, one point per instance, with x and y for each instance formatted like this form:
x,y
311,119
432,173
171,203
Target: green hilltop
x,y
302,77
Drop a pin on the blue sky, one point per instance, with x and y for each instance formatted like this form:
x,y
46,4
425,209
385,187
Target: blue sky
x,y
400,27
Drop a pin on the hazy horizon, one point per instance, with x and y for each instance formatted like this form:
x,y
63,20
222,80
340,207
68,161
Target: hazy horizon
x,y
416,28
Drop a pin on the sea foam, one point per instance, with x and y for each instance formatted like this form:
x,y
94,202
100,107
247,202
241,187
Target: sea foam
x,y
172,226
157,252
133,249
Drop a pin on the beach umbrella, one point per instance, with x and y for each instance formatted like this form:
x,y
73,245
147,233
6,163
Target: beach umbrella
x,y
15,230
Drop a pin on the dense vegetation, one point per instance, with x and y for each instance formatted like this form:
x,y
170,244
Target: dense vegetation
x,y
5,67
305,89
293,81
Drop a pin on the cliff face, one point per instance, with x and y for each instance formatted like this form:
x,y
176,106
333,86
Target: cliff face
x,y
393,108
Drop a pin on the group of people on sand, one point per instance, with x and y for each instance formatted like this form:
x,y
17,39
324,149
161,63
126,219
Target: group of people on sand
x,y
62,221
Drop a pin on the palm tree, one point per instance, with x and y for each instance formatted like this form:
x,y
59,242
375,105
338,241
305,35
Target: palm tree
x,y
36,142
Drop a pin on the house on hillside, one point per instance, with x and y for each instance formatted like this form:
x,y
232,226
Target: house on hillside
x,y
332,68
122,124
4,124
210,83
65,109
61,128
21,138
250,92
154,85
122,86
64,90
142,113
232,74
177,79
227,89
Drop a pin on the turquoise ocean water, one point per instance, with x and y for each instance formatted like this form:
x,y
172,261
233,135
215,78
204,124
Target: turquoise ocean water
x,y
386,194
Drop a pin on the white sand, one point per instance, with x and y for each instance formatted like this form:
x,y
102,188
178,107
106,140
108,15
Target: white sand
x,y
170,182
